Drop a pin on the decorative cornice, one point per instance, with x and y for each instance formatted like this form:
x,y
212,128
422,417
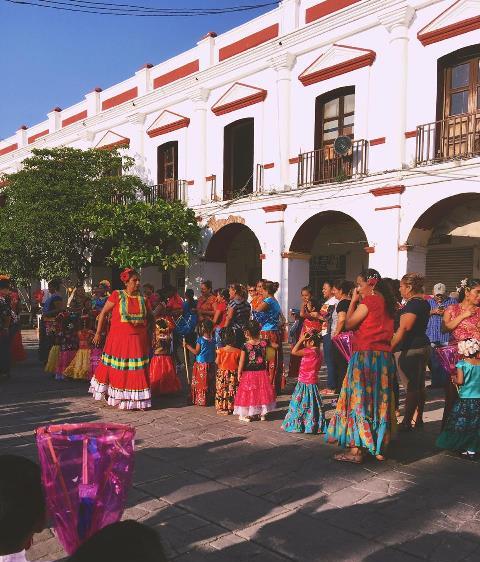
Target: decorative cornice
x,y
137,118
448,31
200,95
257,97
180,123
285,61
396,17
366,57
387,190
274,208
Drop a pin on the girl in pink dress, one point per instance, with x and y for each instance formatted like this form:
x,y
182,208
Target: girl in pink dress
x,y
306,413
255,395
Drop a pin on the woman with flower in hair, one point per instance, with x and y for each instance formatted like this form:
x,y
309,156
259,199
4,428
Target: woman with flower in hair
x,y
462,429
121,378
462,320
363,419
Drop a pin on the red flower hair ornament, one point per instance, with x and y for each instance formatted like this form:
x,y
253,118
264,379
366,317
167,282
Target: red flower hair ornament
x,y
373,280
126,274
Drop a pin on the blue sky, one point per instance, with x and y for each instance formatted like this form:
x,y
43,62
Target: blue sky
x,y
52,58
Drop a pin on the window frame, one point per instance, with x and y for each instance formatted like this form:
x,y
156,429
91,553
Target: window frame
x,y
320,102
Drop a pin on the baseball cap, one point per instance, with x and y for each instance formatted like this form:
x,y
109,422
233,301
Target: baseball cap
x,y
439,289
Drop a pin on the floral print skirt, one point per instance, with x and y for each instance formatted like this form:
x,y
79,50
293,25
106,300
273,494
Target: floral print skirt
x,y
462,429
203,376
365,413
305,413
225,389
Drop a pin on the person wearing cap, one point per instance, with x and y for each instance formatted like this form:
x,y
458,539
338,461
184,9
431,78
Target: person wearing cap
x,y
438,303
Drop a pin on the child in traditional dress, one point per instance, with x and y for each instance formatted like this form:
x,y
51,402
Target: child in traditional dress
x,y
228,358
305,413
79,368
255,395
462,430
68,344
204,367
54,332
163,375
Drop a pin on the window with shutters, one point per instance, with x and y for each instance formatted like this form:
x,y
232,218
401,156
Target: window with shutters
x,y
238,158
335,116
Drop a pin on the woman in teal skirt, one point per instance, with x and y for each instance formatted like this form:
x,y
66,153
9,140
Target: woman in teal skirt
x,y
364,417
305,413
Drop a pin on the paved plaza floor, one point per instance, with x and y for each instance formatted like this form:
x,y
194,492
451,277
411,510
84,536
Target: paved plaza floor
x,y
219,490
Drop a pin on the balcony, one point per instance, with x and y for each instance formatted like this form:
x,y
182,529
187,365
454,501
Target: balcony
x,y
455,137
326,166
171,190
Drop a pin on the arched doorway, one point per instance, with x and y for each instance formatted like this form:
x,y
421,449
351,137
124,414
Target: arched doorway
x,y
237,247
444,243
336,245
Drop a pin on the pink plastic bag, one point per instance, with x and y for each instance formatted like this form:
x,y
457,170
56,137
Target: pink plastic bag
x,y
449,357
86,473
344,344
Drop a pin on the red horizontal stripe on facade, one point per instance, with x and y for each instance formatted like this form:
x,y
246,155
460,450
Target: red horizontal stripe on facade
x,y
269,166
33,138
325,8
248,42
293,160
410,134
74,118
120,98
388,208
8,149
387,190
380,140
176,74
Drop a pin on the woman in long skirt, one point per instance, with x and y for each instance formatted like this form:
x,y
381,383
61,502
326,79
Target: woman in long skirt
x,y
364,417
121,378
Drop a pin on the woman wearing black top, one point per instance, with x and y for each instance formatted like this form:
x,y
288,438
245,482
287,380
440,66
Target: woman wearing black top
x,y
342,291
412,347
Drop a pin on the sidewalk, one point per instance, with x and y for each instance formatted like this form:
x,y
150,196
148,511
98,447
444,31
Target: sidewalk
x,y
220,490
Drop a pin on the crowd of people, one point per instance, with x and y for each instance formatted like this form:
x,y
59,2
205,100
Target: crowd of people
x,y
225,349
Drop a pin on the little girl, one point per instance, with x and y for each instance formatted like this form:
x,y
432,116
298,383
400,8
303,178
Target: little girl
x,y
462,430
305,413
68,344
204,367
255,395
163,375
228,358
79,368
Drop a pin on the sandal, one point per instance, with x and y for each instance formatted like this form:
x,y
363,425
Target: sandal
x,y
345,457
380,458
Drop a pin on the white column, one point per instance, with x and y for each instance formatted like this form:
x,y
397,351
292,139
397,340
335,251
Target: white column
x,y
296,268
144,82
137,144
397,22
22,136
206,50
55,120
272,264
93,102
383,252
283,65
199,144
290,16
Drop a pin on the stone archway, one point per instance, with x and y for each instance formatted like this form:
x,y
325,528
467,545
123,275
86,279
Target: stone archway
x,y
236,250
444,243
335,246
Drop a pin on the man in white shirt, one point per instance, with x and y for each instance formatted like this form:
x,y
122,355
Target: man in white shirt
x,y
327,310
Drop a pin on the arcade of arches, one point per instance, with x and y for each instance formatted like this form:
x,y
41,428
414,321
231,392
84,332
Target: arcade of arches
x,y
336,245
444,244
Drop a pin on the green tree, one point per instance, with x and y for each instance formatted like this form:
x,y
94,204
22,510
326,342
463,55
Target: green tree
x,y
66,204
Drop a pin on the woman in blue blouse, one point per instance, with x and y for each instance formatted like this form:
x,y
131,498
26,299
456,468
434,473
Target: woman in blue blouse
x,y
271,315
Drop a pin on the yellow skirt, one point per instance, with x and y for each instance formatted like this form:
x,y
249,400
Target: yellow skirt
x,y
79,368
52,361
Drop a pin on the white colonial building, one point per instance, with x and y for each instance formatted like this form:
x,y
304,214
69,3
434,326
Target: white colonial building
x,y
243,126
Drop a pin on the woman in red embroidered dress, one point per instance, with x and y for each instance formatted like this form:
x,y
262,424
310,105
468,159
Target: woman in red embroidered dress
x,y
121,378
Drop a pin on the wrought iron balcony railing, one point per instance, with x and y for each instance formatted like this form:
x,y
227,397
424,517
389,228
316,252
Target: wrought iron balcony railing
x,y
452,138
324,165
171,190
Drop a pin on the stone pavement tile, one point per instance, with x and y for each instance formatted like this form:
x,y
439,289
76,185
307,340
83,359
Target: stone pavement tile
x,y
45,548
440,547
148,468
390,555
472,527
302,538
181,541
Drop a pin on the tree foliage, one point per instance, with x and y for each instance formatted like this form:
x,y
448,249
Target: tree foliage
x,y
65,205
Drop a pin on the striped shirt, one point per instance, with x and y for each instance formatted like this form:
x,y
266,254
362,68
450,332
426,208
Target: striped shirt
x,y
241,313
434,327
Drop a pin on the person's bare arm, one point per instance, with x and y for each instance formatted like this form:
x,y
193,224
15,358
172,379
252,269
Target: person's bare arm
x,y
341,319
241,364
451,324
101,319
296,348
